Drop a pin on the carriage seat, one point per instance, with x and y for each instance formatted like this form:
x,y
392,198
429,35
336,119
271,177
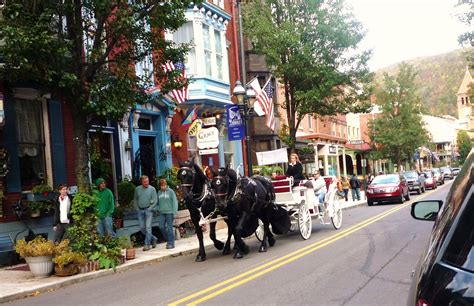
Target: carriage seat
x,y
284,191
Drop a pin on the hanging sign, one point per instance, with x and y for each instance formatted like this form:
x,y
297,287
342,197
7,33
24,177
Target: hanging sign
x,y
332,149
208,151
208,138
209,121
235,123
195,127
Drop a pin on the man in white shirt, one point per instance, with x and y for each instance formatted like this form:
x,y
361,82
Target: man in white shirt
x,y
319,186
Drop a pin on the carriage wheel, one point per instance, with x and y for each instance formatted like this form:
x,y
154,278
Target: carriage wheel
x,y
259,231
336,218
304,222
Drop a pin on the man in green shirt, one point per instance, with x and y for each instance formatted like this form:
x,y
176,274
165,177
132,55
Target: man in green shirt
x,y
145,200
106,207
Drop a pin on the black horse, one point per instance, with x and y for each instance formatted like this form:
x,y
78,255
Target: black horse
x,y
245,200
195,189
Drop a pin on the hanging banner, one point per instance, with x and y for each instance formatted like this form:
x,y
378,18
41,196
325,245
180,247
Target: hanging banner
x,y
235,123
195,127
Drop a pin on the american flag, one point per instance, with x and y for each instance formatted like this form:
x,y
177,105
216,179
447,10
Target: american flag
x,y
180,95
265,98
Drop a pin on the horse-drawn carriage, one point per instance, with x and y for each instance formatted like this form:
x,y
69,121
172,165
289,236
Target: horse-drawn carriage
x,y
303,205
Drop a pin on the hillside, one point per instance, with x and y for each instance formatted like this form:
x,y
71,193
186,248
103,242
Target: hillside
x,y
438,80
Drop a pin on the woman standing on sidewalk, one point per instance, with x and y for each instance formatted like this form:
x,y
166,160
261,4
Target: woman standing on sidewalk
x,y
346,186
168,208
62,213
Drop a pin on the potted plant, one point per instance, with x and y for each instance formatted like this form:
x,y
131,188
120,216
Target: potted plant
x,y
39,253
68,263
37,207
107,252
127,244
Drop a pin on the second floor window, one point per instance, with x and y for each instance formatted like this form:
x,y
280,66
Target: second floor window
x,y
207,49
219,55
185,35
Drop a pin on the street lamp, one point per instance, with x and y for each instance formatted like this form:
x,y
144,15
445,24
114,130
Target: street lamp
x,y
243,98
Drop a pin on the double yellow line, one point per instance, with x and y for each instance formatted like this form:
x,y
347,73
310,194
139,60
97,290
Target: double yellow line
x,y
247,276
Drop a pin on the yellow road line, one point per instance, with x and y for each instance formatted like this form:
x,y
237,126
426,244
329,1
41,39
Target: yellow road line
x,y
285,259
282,263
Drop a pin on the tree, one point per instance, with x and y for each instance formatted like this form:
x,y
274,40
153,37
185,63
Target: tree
x,y
84,52
398,131
464,144
311,48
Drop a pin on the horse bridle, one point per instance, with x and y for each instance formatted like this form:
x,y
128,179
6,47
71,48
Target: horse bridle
x,y
205,192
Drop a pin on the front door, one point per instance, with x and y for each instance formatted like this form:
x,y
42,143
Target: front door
x,y
147,156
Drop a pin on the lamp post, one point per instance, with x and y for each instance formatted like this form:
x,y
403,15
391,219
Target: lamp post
x,y
243,98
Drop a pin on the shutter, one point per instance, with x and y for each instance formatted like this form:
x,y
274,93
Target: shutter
x,y
57,142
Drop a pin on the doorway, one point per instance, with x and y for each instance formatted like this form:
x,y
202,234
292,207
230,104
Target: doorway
x,y
147,156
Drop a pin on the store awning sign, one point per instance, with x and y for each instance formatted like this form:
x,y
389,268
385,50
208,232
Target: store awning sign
x,y
235,123
208,138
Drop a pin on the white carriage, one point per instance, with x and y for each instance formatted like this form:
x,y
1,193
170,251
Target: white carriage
x,y
303,206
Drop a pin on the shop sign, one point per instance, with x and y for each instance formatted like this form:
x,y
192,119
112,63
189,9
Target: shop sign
x,y
208,138
332,150
356,142
208,151
235,123
195,127
209,121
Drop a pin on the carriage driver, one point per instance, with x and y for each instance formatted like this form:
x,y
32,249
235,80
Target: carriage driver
x,y
319,186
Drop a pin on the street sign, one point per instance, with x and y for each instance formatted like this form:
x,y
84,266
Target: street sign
x,y
208,151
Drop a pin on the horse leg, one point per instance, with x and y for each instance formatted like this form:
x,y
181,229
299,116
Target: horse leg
x,y
266,230
271,239
226,250
212,234
201,256
242,248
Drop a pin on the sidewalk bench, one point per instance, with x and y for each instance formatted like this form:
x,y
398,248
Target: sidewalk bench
x,y
6,249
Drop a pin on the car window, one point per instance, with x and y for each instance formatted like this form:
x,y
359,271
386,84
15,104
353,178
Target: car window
x,y
460,251
411,174
378,180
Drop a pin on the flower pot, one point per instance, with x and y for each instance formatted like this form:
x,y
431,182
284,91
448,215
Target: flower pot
x,y
40,266
130,254
67,270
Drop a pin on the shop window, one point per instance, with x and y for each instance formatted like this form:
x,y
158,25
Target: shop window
x,y
263,145
31,144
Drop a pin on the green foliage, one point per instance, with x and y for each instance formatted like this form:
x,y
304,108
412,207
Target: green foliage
x,y
84,213
69,257
125,243
39,247
40,205
398,131
84,204
170,175
126,191
107,252
268,170
311,46
44,187
464,144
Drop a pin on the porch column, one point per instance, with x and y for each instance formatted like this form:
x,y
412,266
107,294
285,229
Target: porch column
x,y
338,170
344,166
315,147
326,162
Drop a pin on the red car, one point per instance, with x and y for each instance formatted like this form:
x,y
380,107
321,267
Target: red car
x,y
387,188
430,179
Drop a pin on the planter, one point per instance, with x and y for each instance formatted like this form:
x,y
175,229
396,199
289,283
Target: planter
x,y
35,213
40,266
89,266
67,270
130,254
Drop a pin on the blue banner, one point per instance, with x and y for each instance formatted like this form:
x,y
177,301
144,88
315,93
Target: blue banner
x,y
235,123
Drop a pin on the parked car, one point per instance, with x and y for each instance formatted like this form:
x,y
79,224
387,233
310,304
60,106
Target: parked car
x,y
415,181
445,273
387,187
439,177
455,170
447,173
430,179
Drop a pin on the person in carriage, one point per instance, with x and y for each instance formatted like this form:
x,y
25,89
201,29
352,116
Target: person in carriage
x,y
319,186
295,169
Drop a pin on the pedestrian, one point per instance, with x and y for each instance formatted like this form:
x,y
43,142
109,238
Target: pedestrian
x,y
168,208
345,187
145,199
62,213
355,187
295,169
106,207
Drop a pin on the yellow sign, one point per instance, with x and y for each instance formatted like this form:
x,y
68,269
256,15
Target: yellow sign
x,y
195,127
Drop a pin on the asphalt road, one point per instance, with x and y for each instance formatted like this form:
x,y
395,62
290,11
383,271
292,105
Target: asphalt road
x,y
367,262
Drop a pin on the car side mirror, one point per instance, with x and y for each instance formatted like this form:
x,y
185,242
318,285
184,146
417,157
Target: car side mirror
x,y
426,210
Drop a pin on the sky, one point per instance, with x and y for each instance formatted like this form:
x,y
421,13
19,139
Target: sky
x,y
400,30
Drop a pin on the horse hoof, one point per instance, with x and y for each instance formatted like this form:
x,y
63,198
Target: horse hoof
x,y
200,258
226,251
262,249
246,249
219,245
238,255
271,241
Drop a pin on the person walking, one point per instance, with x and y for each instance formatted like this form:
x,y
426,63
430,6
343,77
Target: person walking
x,y
145,199
168,208
345,187
355,187
106,207
62,213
